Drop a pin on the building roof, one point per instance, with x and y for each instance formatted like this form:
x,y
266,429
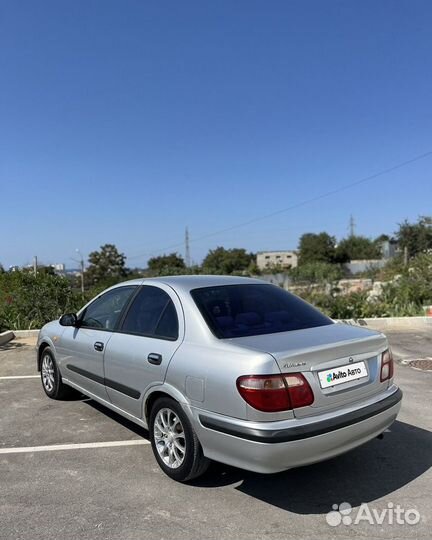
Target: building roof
x,y
278,251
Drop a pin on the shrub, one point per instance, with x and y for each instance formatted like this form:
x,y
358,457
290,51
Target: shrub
x,y
29,302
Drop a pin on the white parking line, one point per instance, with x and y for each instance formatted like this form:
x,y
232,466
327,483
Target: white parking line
x,y
19,377
54,447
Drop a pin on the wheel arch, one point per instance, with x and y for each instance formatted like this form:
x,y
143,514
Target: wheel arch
x,y
41,347
164,391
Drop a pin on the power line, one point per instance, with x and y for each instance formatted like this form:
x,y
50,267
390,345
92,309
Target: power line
x,y
294,206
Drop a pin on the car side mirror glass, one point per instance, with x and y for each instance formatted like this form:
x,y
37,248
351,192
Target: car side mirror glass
x,y
69,319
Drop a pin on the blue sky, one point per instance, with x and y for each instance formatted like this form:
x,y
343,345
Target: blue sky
x,y
125,121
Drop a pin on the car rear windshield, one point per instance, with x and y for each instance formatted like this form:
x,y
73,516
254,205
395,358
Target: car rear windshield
x,y
250,310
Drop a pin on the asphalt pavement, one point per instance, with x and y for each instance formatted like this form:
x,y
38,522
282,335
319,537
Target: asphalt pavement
x,y
74,470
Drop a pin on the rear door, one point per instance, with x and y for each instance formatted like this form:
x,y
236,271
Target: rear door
x,y
81,349
138,354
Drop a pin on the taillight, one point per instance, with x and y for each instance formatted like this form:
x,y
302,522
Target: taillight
x,y
299,391
386,365
274,393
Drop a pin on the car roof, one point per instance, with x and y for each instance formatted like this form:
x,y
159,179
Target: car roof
x,y
189,282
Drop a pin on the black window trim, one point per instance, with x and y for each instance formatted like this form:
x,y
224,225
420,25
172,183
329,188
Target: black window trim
x,y
121,319
102,294
166,338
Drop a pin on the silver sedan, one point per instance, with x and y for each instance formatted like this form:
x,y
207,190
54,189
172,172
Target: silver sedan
x,y
224,368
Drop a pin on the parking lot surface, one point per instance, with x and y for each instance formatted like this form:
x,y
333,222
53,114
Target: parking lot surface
x,y
74,470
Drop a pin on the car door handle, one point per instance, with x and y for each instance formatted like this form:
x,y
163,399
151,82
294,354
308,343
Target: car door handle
x,y
98,346
154,358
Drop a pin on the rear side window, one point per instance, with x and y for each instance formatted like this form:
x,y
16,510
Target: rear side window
x,y
250,310
152,314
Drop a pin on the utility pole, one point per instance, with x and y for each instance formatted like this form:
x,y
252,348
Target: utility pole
x,y
81,261
351,226
187,248
35,265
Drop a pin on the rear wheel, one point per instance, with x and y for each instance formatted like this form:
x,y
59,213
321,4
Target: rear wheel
x,y
174,442
51,378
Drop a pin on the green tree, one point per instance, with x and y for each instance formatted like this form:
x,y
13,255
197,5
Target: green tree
x,y
357,247
415,237
382,238
43,269
317,248
106,265
228,261
166,264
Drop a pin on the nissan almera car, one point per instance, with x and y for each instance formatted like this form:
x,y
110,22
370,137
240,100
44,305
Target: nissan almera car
x,y
224,368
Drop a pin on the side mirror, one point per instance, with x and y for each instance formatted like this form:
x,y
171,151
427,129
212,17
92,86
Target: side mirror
x,y
69,319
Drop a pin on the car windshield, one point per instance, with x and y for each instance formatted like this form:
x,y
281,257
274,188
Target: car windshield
x,y
250,310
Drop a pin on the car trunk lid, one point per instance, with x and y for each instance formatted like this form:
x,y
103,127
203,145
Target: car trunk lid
x,y
328,351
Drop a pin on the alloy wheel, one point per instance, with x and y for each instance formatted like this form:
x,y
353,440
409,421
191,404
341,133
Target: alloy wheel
x,y
170,439
48,373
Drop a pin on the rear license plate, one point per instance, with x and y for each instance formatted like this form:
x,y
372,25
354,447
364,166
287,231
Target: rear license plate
x,y
342,374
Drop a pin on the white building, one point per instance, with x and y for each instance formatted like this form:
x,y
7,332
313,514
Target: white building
x,y
59,267
283,259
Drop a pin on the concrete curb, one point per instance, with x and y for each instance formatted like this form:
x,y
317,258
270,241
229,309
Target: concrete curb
x,y
394,322
26,333
5,337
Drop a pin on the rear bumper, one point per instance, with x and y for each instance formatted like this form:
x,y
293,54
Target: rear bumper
x,y
275,446
302,431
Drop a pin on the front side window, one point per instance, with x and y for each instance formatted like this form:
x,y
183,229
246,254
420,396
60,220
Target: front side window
x,y
104,312
152,314
250,310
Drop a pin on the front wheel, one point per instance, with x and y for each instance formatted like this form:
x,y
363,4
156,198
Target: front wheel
x,y
174,442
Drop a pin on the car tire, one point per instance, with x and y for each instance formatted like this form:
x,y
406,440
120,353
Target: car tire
x,y
51,379
174,442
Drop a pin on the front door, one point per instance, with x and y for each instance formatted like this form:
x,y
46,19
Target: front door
x,y
81,349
